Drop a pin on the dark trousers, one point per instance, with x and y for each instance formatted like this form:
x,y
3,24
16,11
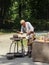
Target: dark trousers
x,y
29,49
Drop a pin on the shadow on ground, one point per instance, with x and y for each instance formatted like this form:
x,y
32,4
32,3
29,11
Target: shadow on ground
x,y
18,61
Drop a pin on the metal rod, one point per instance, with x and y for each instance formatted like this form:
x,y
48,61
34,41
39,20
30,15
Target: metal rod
x,y
11,46
14,46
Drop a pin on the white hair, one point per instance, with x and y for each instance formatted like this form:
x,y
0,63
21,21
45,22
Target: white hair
x,y
22,21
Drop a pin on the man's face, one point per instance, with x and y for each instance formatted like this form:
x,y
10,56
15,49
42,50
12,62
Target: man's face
x,y
24,24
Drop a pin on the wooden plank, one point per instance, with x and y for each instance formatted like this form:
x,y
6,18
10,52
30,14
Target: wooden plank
x,y
40,51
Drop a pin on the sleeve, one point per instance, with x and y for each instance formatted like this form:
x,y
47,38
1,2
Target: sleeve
x,y
30,27
21,29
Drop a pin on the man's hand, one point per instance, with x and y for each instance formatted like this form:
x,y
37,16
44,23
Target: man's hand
x,y
28,33
21,32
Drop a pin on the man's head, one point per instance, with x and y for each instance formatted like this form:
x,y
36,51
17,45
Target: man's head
x,y
23,23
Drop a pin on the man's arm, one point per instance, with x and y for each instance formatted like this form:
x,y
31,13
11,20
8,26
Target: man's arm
x,y
21,32
21,29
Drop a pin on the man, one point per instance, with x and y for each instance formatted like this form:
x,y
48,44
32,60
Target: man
x,y
27,28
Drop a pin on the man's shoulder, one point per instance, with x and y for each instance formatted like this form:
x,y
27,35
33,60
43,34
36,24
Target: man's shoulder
x,y
27,22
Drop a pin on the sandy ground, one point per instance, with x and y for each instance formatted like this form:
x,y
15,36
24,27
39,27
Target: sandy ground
x,y
4,48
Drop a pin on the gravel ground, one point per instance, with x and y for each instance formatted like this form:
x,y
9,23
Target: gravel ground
x,y
4,48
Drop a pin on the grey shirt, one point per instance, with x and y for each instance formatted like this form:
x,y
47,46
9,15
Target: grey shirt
x,y
28,27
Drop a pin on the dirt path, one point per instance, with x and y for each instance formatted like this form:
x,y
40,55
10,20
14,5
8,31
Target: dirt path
x,y
4,43
4,48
